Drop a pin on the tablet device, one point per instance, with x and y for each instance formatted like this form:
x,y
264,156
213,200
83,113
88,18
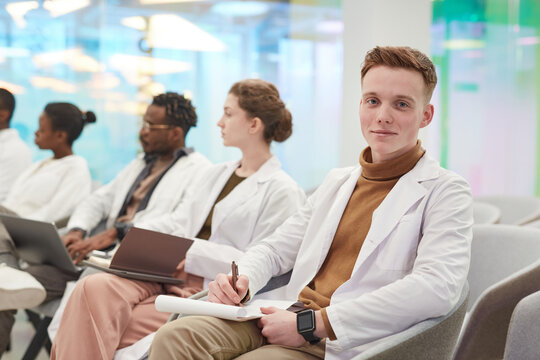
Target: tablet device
x,y
147,255
38,242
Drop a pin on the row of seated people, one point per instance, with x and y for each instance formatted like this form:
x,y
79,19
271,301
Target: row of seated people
x,y
378,247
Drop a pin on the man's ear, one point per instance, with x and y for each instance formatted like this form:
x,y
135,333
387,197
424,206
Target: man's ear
x,y
176,134
256,126
427,116
4,114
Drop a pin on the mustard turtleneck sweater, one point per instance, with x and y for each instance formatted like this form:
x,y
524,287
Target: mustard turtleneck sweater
x,y
375,182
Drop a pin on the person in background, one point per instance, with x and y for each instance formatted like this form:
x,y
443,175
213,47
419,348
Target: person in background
x,y
48,190
377,248
15,155
153,184
231,207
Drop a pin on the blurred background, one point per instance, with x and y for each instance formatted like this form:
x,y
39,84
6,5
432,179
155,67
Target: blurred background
x,y
112,56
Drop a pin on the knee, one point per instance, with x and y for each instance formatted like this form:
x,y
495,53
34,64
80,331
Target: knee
x,y
95,284
169,333
179,339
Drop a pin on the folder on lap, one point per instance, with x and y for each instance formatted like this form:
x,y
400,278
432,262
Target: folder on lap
x,y
167,303
147,255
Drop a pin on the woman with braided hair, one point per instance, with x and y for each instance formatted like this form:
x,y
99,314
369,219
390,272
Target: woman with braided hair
x,y
231,207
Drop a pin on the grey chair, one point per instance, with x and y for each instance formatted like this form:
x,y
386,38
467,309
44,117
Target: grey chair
x,y
484,213
515,210
484,334
498,251
535,224
430,339
523,340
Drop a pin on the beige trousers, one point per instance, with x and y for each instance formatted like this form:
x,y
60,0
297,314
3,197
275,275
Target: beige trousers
x,y
206,337
106,312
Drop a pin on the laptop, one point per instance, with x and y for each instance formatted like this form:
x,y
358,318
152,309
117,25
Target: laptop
x,y
38,242
147,255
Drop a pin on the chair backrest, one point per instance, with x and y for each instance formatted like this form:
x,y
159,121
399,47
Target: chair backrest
x,y
484,334
484,213
497,251
535,224
429,339
523,340
516,210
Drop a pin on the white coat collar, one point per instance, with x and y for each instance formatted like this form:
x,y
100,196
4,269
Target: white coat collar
x,y
8,134
243,191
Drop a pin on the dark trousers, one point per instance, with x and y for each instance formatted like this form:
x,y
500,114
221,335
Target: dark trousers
x,y
53,280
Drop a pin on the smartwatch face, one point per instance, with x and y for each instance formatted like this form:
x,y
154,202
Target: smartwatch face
x,y
305,321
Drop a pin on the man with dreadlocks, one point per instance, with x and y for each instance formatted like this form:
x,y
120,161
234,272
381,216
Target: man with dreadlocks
x,y
151,185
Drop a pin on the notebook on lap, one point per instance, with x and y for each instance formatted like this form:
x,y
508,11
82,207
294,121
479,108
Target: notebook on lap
x,y
38,242
147,255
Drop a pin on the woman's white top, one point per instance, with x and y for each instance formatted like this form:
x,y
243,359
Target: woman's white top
x,y
248,214
15,157
50,189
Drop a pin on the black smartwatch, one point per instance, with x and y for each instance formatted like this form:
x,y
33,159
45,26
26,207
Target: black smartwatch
x,y
305,324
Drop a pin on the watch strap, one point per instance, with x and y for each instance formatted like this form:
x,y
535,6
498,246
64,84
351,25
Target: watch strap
x,y
310,337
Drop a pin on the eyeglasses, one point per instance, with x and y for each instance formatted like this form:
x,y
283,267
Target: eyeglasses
x,y
149,126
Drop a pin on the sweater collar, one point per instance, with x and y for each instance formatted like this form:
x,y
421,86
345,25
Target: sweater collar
x,y
390,169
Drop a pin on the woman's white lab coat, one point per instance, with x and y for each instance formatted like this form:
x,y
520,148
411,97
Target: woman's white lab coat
x,y
248,214
412,266
49,190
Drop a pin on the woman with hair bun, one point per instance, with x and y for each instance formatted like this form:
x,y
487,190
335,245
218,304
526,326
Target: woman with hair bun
x,y
233,206
50,189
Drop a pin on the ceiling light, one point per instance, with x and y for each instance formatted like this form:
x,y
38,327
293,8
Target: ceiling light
x,y
240,8
103,81
74,58
19,9
142,65
53,84
62,7
14,52
127,107
135,22
152,2
174,32
14,88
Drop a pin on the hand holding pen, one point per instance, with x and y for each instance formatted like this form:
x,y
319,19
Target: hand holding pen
x,y
228,289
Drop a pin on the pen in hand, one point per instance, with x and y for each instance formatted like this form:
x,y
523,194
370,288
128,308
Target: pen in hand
x,y
234,276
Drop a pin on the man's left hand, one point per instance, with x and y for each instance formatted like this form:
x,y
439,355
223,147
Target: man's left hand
x,y
279,327
80,249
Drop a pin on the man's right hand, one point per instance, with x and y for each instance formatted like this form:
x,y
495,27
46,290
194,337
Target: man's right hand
x,y
72,237
221,291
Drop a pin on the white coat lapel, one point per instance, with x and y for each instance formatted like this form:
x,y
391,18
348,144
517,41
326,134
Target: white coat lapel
x,y
243,191
215,190
318,240
407,191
